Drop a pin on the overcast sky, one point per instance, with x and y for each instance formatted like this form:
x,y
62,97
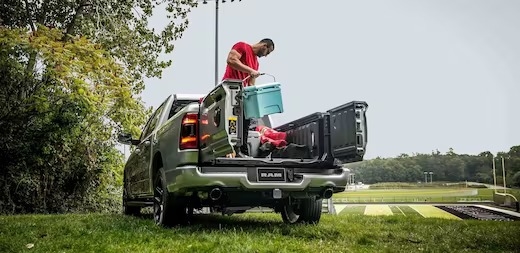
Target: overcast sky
x,y
436,74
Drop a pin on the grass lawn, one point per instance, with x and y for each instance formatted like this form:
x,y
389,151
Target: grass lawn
x,y
409,211
425,211
353,210
403,195
254,233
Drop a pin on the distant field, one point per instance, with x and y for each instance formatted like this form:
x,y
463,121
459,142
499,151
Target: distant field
x,y
415,195
255,233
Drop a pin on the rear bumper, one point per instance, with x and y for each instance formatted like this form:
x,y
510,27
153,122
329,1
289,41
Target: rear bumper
x,y
189,178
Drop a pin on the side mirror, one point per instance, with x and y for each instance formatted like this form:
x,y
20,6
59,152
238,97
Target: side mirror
x,y
126,138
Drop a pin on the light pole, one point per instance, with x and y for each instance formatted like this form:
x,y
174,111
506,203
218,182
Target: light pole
x,y
494,176
425,177
216,34
354,180
431,177
503,174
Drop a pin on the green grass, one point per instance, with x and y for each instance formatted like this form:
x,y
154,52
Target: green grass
x,y
254,233
415,195
403,210
408,211
407,185
396,210
353,210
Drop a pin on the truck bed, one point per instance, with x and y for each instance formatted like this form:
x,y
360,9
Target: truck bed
x,y
337,135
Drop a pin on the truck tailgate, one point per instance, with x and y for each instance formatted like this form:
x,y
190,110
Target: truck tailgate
x,y
348,131
340,133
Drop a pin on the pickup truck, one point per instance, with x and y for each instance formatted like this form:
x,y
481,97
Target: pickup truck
x,y
183,159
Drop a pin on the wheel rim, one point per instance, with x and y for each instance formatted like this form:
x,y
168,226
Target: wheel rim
x,y
158,204
291,216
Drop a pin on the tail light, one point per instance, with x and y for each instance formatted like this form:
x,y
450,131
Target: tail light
x,y
188,135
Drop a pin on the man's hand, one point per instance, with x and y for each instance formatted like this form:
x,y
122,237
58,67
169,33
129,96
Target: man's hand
x,y
253,73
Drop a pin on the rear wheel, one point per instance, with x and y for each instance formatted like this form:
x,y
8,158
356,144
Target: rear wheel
x,y
167,210
302,211
311,210
290,213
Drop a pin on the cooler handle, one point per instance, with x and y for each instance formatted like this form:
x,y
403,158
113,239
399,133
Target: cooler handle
x,y
262,74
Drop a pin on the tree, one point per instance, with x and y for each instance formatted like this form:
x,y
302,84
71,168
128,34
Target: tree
x,y
455,167
516,179
120,27
450,166
71,72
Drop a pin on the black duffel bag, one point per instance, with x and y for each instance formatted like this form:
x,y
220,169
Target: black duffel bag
x,y
291,151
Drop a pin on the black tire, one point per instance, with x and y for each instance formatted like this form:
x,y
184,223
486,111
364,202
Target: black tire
x,y
129,210
304,211
168,211
310,210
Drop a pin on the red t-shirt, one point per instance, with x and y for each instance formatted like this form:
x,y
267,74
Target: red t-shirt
x,y
248,58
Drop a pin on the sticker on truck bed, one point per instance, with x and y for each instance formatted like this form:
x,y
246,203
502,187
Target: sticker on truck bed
x,y
232,123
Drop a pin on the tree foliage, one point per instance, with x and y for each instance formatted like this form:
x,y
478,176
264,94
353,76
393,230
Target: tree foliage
x,y
71,72
449,167
119,27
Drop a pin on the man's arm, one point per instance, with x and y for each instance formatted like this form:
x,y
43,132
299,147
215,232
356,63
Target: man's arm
x,y
234,56
253,79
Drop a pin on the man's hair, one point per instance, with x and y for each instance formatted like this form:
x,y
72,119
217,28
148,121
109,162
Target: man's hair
x,y
268,41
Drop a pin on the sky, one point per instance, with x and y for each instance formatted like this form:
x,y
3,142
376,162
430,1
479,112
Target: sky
x,y
435,74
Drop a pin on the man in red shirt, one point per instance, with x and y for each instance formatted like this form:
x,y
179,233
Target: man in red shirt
x,y
242,61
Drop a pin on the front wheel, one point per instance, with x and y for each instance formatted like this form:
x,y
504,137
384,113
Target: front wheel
x,y
168,210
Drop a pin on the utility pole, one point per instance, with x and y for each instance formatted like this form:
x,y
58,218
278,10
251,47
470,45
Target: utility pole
x,y
503,174
425,177
216,35
216,42
494,175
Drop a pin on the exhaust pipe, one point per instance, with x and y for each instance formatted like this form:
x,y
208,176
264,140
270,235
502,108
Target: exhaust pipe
x,y
215,194
327,193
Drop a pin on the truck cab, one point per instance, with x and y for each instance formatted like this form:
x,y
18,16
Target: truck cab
x,y
183,160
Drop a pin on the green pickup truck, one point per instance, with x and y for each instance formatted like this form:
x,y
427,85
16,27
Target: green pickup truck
x,y
181,162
